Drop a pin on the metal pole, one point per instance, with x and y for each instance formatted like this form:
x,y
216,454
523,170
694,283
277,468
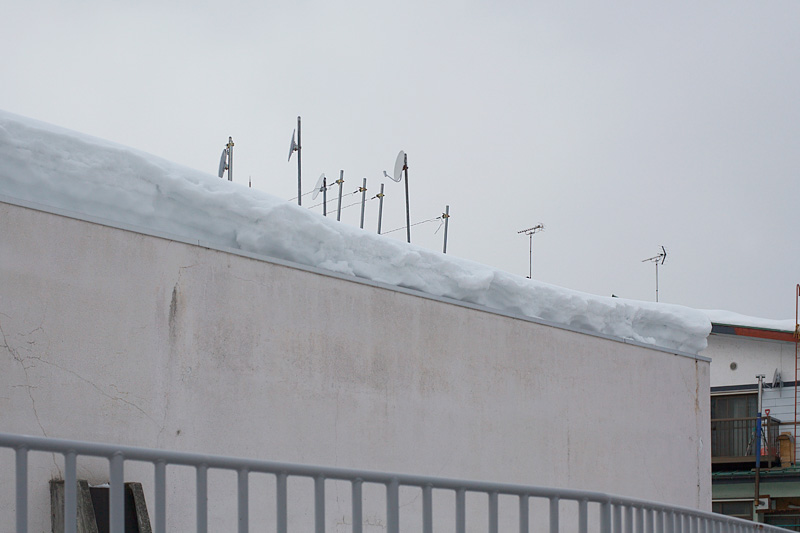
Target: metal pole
x,y
760,378
324,196
380,209
408,211
363,201
230,158
530,256
299,181
339,209
656,281
446,222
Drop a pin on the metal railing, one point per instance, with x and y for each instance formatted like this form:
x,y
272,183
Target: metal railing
x,y
609,513
736,437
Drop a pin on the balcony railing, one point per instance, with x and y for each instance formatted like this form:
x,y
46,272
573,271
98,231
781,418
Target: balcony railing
x,y
734,441
591,511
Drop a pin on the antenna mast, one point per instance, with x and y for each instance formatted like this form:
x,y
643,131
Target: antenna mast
x,y
529,232
660,258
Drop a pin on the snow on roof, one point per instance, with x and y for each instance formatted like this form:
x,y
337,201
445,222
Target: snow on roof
x,y
49,165
728,318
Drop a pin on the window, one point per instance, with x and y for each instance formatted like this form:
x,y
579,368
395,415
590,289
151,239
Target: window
x,y
736,508
734,406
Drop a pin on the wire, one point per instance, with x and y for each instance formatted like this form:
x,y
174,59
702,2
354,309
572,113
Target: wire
x,y
412,225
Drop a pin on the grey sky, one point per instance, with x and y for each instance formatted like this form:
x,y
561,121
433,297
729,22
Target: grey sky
x,y
621,126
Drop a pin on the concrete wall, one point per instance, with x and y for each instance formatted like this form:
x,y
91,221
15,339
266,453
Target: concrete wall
x,y
752,356
115,336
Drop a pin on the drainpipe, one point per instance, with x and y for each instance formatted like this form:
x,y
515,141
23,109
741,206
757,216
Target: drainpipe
x,y
760,378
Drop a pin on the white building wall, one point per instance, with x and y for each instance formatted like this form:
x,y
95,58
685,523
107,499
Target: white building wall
x,y
115,336
751,356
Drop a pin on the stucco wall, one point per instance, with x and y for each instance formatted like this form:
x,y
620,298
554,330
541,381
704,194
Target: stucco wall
x,y
752,356
115,336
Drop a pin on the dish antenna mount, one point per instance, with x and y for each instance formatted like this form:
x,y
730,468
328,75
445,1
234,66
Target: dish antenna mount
x,y
226,160
322,187
529,232
660,258
296,147
400,167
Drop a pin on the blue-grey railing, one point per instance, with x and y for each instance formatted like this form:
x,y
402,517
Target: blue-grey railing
x,y
615,515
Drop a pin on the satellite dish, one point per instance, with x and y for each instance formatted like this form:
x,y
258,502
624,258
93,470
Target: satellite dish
x,y
319,186
222,161
399,166
292,146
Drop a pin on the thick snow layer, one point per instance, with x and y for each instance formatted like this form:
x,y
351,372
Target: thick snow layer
x,y
729,318
55,167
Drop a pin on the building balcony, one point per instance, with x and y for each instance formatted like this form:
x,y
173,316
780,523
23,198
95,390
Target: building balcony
x,y
734,443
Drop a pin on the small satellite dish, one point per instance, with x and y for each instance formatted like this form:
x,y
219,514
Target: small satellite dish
x,y
318,188
292,146
223,162
399,166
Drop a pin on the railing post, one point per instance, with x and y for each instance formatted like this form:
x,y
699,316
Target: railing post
x,y
461,511
70,493
319,504
659,516
605,517
649,520
22,489
280,503
393,506
493,521
201,497
554,514
243,500
116,503
524,513
583,516
639,520
617,518
427,509
628,519
161,497
357,501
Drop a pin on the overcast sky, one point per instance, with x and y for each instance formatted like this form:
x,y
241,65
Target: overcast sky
x,y
621,126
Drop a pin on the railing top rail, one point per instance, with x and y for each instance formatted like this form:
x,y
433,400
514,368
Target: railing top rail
x,y
132,453
752,418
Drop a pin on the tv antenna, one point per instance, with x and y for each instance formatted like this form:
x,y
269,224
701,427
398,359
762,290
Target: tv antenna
x,y
660,258
322,187
529,232
400,167
296,147
226,160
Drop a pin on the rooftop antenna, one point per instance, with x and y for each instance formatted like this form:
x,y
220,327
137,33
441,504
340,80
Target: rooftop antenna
x,y
340,181
400,167
660,258
363,191
446,217
529,232
322,186
226,160
296,147
380,206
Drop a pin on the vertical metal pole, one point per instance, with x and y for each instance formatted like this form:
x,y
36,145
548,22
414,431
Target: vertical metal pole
x,y
202,498
628,519
605,517
524,514
299,181
639,520
656,280
70,493
760,378
324,196
461,511
493,521
22,490
427,509
363,201
339,208
393,507
380,209
319,504
161,497
244,501
583,516
408,210
230,158
554,515
116,498
281,514
446,223
358,512
617,518
530,256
